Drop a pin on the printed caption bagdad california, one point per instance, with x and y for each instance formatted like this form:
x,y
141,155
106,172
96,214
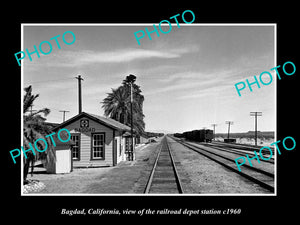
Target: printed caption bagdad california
x,y
148,211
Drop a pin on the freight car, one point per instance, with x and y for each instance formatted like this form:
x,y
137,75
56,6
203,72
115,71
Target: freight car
x,y
209,135
178,135
204,135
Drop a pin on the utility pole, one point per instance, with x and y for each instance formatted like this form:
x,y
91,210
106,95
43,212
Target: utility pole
x,y
79,93
64,112
32,110
130,80
214,125
131,121
229,122
256,114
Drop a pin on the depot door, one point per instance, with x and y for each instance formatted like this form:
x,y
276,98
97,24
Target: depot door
x,y
115,152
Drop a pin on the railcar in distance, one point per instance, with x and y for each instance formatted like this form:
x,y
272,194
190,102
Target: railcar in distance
x,y
178,135
203,135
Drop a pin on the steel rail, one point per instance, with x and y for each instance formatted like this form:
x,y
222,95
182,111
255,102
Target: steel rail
x,y
241,146
230,159
234,151
174,169
253,179
149,182
179,185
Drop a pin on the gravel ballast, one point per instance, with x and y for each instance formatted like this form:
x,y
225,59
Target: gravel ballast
x,y
204,176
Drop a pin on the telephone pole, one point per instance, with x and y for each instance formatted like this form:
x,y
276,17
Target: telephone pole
x,y
130,79
32,110
79,93
214,125
256,114
64,112
229,122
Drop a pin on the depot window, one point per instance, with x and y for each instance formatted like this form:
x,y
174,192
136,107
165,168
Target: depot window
x,y
76,147
98,145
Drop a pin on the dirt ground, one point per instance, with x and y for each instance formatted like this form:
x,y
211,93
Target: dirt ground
x,y
198,175
126,178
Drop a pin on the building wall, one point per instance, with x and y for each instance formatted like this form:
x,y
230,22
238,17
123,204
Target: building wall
x,y
143,140
63,163
86,141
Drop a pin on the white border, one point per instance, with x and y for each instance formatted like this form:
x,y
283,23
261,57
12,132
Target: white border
x,y
149,24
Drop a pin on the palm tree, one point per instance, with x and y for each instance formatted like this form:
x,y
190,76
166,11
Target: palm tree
x,y
117,106
34,128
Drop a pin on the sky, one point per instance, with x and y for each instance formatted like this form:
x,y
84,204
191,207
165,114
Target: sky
x,y
187,76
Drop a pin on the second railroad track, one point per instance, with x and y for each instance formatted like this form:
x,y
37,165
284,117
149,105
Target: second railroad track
x,y
256,175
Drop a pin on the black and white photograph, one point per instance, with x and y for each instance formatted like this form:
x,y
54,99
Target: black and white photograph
x,y
163,113
177,92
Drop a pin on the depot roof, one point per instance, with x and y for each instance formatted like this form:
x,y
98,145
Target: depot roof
x,y
99,119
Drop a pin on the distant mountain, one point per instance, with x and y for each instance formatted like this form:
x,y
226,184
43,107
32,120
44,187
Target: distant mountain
x,y
249,134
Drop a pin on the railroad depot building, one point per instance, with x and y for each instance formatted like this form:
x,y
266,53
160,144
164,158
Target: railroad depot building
x,y
97,141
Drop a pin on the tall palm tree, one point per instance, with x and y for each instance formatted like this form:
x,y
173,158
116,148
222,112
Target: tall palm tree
x,y
34,128
117,106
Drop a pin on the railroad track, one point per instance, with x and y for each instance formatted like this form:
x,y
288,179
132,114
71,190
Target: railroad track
x,y
164,177
256,175
243,147
237,151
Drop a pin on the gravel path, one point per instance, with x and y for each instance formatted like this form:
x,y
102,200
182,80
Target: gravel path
x,y
126,177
